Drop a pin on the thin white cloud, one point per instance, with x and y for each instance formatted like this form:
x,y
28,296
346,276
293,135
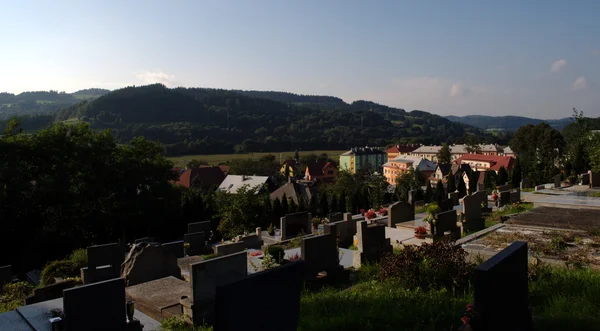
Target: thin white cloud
x,y
580,83
456,90
558,65
151,77
596,52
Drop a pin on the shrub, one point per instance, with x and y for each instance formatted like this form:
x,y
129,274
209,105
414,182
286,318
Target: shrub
x,y
271,230
429,266
432,209
13,295
60,269
276,252
79,258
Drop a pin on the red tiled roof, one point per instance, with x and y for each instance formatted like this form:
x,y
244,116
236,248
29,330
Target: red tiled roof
x,y
495,161
402,149
203,177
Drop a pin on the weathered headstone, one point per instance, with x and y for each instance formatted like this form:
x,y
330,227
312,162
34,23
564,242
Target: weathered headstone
x,y
399,212
453,196
540,187
336,217
446,205
49,292
482,198
175,247
320,254
104,262
5,274
206,276
344,230
250,241
503,188
194,243
446,221
473,219
99,306
557,179
594,179
501,290
199,227
504,198
292,225
149,261
284,281
526,183
585,179
515,195
372,244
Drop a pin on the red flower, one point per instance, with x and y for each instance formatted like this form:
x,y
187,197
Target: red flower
x,y
465,320
469,310
469,306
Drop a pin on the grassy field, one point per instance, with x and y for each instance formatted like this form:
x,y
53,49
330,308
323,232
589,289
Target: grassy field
x,y
215,159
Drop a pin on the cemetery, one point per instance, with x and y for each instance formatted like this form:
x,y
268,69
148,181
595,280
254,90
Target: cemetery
x,y
305,276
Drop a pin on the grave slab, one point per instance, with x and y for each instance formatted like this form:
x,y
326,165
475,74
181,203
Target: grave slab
x,y
154,297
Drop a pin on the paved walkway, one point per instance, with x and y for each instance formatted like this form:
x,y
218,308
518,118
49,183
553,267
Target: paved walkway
x,y
562,200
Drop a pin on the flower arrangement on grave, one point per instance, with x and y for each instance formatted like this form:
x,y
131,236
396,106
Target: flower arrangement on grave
x,y
362,212
420,232
256,253
383,212
370,214
495,195
294,257
315,222
186,245
470,319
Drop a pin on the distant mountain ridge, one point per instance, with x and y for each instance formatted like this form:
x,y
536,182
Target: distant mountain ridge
x,y
509,123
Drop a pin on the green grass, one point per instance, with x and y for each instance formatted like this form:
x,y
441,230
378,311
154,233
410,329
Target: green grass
x,y
528,190
496,216
215,159
594,194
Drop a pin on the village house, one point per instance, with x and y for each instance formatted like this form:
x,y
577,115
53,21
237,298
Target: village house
x,y
361,158
443,170
508,152
479,162
295,191
289,168
203,178
401,149
319,170
233,183
431,152
402,163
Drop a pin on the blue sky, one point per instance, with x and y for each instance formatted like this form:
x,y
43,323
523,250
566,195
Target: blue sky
x,y
529,58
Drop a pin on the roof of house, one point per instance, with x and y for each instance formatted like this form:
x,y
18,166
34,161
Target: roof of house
x,y
444,168
203,177
422,164
290,162
224,168
233,183
495,161
456,149
508,150
294,190
462,167
363,151
317,168
402,149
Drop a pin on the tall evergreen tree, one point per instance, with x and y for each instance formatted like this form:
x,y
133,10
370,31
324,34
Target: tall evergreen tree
x,y
451,183
356,203
285,206
343,202
324,205
445,155
302,203
516,174
313,205
276,211
293,206
462,187
502,176
490,180
333,207
439,192
428,192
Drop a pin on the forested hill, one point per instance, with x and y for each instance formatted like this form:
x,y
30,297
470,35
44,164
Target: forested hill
x,y
212,121
510,123
42,102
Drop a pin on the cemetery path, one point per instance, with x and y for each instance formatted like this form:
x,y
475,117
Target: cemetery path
x,y
562,200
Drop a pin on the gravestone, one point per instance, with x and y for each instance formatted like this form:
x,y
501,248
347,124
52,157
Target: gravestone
x,y
175,247
446,221
557,181
504,198
104,262
195,243
144,240
515,195
526,183
149,261
247,242
344,230
480,187
199,227
594,179
501,290
284,281
320,254
49,292
372,244
446,205
473,219
503,188
482,198
209,274
453,196
335,217
99,306
419,203
399,212
585,179
292,225
540,187
5,274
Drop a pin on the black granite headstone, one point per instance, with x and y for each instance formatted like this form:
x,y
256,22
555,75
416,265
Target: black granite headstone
x,y
175,247
199,227
284,281
501,290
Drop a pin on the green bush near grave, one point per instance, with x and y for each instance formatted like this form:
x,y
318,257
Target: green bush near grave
x,y
79,258
13,295
178,323
516,208
58,269
277,252
209,256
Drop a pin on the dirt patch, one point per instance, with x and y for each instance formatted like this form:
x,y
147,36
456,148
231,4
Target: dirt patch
x,y
560,218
